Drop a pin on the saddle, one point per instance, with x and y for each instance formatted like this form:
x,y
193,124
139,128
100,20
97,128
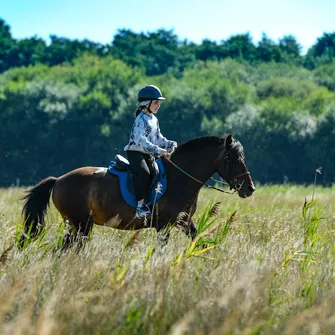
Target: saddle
x,y
121,168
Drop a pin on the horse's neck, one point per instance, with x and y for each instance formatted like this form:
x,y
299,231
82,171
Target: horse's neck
x,y
199,164
187,173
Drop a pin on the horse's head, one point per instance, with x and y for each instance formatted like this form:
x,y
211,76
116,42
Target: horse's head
x,y
233,169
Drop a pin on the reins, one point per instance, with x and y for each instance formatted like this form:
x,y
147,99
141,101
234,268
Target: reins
x,y
180,169
207,185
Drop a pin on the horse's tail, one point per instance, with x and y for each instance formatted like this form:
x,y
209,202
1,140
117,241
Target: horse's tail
x,y
35,207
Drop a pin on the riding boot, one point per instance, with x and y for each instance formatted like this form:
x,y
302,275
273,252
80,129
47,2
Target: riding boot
x,y
142,211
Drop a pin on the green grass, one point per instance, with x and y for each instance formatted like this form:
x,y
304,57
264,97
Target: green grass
x,y
270,270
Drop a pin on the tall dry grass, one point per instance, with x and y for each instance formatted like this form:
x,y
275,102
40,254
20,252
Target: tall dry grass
x,y
270,269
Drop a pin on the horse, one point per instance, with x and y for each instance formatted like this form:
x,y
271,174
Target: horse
x,y
91,195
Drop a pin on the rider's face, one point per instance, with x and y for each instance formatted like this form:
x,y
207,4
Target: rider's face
x,y
155,105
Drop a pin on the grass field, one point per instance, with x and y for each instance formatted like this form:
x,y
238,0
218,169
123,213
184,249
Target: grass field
x,y
268,270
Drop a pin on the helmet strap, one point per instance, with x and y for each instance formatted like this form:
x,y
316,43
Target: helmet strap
x,y
148,108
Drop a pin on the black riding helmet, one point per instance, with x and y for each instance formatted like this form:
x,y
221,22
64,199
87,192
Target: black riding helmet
x,y
149,92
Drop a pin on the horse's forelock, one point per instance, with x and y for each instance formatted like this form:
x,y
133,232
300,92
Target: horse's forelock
x,y
237,148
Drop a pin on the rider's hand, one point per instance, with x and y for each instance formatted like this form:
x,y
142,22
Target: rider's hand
x,y
163,154
172,148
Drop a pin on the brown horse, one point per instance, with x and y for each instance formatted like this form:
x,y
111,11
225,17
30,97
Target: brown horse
x,y
90,195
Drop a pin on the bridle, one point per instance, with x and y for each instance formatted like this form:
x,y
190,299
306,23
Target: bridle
x,y
233,183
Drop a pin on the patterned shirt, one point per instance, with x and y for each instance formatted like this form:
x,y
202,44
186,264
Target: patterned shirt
x,y
146,137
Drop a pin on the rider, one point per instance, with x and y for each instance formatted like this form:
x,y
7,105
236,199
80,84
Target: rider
x,y
145,143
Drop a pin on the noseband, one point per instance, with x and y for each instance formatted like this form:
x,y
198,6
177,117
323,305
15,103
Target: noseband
x,y
233,183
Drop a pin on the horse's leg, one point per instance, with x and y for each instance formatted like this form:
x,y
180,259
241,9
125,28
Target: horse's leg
x,y
163,234
68,236
163,237
77,232
85,228
191,230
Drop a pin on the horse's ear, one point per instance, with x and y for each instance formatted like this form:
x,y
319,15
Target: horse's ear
x,y
229,141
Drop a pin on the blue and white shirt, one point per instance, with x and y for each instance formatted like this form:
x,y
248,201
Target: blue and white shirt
x,y
146,137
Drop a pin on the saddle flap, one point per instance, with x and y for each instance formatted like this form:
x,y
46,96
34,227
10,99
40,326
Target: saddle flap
x,y
127,185
121,163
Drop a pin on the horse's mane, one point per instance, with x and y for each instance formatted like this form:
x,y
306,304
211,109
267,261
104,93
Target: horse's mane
x,y
199,141
195,143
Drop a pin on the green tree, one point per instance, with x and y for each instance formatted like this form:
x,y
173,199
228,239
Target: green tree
x,y
325,46
155,52
208,50
274,142
290,49
325,75
207,90
322,52
320,150
268,51
265,71
62,49
285,87
6,45
239,47
27,52
65,116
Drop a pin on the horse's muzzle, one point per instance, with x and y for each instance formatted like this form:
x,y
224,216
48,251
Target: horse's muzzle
x,y
246,190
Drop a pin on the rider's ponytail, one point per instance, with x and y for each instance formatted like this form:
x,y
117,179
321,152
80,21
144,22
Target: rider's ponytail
x,y
141,107
138,110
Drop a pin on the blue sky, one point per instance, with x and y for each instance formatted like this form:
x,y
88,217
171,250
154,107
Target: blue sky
x,y
193,20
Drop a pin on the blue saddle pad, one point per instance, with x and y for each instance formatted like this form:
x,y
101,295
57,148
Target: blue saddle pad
x,y
127,188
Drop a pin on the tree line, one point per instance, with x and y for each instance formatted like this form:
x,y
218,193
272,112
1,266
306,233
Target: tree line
x,y
158,52
71,103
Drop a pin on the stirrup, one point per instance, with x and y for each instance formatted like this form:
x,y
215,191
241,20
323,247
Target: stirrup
x,y
142,212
